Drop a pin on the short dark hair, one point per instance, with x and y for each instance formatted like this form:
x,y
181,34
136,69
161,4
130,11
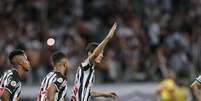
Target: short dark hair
x,y
15,53
57,56
91,46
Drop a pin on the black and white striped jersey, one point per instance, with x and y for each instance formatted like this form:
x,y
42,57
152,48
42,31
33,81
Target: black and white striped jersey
x,y
83,82
59,81
198,79
11,82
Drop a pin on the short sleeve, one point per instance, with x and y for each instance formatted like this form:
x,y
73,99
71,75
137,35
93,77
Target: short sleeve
x,y
198,79
86,64
11,84
58,81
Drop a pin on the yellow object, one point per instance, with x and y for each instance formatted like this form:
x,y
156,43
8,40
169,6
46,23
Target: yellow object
x,y
167,89
180,93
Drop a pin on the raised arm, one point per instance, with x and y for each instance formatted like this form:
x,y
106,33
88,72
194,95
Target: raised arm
x,y
102,45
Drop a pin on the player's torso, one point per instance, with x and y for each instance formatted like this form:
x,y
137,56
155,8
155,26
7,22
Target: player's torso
x,y
48,80
83,82
10,81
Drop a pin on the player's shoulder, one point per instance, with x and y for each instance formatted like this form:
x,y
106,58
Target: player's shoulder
x,y
86,64
12,77
49,75
15,75
198,78
58,75
12,73
59,80
87,61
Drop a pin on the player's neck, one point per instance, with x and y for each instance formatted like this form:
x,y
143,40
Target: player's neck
x,y
20,71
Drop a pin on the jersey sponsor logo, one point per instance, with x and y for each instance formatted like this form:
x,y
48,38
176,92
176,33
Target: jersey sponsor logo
x,y
64,83
60,80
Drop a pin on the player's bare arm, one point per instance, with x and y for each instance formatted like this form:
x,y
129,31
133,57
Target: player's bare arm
x,y
196,88
102,45
103,94
5,96
51,92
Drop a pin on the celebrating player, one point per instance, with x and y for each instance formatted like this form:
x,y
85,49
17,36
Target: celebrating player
x,y
196,88
10,84
54,85
85,73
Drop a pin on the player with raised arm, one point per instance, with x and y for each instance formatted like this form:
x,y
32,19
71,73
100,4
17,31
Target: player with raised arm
x,y
54,85
10,82
85,73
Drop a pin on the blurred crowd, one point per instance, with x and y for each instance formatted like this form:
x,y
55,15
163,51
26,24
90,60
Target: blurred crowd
x,y
152,37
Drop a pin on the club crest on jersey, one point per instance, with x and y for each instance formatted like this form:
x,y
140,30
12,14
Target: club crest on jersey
x,y
60,80
13,83
64,83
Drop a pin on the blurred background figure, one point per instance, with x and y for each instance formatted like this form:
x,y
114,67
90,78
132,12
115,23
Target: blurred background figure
x,y
181,92
166,88
171,89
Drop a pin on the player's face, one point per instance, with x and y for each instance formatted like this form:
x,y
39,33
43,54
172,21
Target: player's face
x,y
99,58
64,63
25,62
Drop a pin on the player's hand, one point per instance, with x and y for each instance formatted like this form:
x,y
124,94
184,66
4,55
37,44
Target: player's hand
x,y
112,30
111,94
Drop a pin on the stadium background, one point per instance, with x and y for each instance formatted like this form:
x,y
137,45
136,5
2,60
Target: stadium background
x,y
152,35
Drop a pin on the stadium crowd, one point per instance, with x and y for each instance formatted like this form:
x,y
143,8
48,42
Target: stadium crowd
x,y
152,36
